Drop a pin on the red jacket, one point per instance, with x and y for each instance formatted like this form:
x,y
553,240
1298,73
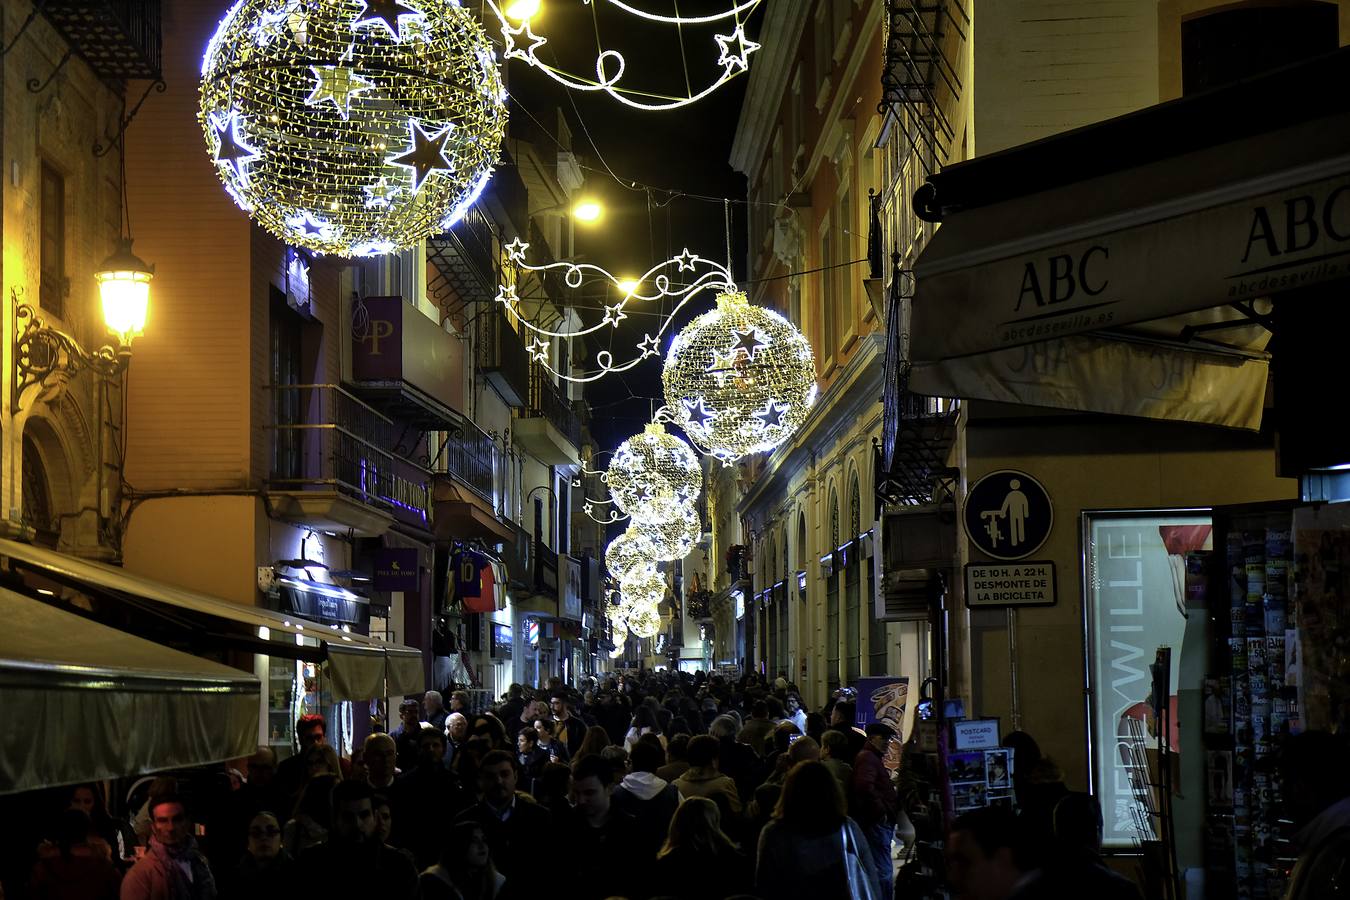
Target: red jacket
x,y
871,795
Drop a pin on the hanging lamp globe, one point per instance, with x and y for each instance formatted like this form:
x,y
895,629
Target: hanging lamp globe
x,y
124,290
739,379
674,539
352,127
629,551
645,621
654,476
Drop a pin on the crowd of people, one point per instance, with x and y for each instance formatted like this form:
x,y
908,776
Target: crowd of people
x,y
662,785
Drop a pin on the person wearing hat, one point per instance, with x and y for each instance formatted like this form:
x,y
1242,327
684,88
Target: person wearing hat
x,y
1315,785
173,868
873,802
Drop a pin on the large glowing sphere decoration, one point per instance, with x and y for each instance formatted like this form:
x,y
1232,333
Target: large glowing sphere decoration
x,y
642,586
628,552
352,127
645,621
654,476
739,379
673,539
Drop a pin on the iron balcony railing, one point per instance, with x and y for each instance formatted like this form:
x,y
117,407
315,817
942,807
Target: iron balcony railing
x,y
472,458
547,402
540,254
326,439
117,38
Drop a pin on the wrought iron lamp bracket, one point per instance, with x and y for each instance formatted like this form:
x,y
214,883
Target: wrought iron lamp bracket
x,y
42,353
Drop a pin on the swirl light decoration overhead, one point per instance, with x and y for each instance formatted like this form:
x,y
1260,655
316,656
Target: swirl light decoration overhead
x,y
739,379
734,51
654,476
352,127
628,552
674,539
665,281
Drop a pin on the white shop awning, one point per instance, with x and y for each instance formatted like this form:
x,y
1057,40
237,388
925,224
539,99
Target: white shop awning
x,y
360,667
86,702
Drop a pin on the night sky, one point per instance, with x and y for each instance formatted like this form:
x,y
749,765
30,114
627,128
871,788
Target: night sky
x,y
676,152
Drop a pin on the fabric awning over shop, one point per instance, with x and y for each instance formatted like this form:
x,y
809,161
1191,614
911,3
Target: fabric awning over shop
x,y
356,664
86,702
1085,293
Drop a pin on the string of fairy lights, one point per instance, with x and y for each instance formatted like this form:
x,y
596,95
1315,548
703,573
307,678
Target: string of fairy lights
x,y
362,127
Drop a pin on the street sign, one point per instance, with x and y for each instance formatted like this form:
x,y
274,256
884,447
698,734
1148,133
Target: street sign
x,y
1010,584
1008,514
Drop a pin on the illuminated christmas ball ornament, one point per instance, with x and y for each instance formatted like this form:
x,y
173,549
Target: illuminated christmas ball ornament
x,y
645,621
673,539
352,127
739,379
629,551
642,586
654,476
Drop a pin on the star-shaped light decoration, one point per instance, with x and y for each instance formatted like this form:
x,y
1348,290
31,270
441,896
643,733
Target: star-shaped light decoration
x,y
587,507
231,149
308,225
614,314
388,13
515,251
530,42
271,25
649,346
737,58
723,367
699,414
772,413
337,84
381,192
538,350
507,296
749,341
426,155
685,261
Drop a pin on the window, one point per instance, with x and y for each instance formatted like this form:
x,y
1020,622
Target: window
x,y
852,590
1231,44
832,602
285,347
52,282
773,611
784,590
829,326
842,276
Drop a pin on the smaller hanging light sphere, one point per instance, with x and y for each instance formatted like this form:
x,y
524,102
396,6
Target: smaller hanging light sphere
x,y
674,539
645,621
629,551
643,586
654,475
739,379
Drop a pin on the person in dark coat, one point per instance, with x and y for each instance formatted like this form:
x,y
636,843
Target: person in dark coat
x,y
872,800
531,758
77,866
352,863
267,871
601,843
515,826
736,760
425,800
1075,868
806,847
698,860
464,870
645,796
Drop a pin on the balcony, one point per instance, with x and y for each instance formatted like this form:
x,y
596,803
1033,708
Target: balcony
x,y
334,467
548,429
407,366
506,199
540,254
119,39
465,263
502,358
464,471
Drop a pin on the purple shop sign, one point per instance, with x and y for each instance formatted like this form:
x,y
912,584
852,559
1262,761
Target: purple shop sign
x,y
396,569
377,353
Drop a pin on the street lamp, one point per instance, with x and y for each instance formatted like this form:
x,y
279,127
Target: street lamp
x,y
522,10
41,351
588,211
